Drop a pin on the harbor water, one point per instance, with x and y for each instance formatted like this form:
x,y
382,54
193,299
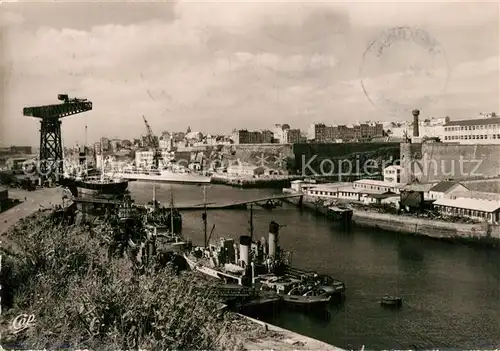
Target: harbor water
x,y
451,293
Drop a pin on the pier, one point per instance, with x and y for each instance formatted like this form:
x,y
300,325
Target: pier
x,y
209,206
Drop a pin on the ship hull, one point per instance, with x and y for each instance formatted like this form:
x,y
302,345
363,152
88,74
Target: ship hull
x,y
82,188
168,178
196,266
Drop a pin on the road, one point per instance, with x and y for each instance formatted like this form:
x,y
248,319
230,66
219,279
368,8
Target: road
x,y
40,198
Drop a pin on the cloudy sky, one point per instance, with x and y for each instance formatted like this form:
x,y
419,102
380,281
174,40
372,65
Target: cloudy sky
x,y
215,66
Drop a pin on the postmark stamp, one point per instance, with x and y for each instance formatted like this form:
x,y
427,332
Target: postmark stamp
x,y
402,69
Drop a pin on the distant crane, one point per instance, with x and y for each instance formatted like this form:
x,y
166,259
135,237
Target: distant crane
x,y
152,140
51,152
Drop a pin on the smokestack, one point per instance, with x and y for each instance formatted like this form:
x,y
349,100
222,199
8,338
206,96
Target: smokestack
x,y
415,114
273,237
245,242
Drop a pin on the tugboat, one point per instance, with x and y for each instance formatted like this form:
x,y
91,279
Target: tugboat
x,y
307,297
295,292
391,301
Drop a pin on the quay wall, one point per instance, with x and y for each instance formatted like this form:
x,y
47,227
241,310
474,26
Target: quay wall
x,y
426,227
288,340
275,182
413,225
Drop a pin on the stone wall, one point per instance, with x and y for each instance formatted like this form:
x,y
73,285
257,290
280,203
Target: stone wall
x,y
431,162
275,156
426,227
331,159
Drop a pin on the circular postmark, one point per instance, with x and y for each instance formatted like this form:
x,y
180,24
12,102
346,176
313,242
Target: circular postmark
x,y
402,69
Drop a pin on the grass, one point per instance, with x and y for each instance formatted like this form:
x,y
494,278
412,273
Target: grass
x,y
83,299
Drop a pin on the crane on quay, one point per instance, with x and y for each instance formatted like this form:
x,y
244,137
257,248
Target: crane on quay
x,y
51,150
153,142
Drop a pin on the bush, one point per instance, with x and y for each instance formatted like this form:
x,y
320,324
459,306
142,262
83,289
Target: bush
x,y
82,299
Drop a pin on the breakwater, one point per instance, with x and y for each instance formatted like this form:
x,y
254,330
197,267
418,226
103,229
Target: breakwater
x,y
277,182
438,229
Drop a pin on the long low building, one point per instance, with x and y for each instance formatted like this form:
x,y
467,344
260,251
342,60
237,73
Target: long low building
x,y
346,191
481,209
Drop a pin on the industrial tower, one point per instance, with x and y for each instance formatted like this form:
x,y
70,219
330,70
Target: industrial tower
x,y
51,152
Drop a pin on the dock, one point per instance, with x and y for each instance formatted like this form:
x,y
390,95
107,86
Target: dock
x,y
283,339
198,207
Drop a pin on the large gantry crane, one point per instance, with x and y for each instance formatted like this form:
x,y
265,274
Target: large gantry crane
x,y
51,151
154,144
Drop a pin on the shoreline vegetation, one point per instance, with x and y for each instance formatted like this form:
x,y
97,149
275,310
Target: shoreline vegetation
x,y
84,295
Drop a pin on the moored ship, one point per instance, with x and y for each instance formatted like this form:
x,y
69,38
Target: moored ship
x,y
165,176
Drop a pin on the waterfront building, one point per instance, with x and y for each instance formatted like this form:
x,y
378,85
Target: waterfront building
x,y
479,209
392,174
301,185
419,188
245,170
474,195
348,192
144,159
445,189
379,185
473,131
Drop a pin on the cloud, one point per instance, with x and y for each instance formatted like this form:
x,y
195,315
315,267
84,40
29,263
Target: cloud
x,y
218,66
8,19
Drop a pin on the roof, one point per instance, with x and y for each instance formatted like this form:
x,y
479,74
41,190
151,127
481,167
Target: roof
x,y
418,187
330,186
383,196
444,186
470,204
376,183
474,122
2,188
193,135
478,195
394,167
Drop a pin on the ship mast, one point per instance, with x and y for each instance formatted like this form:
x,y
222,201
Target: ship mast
x,y
102,163
251,221
204,215
172,211
154,194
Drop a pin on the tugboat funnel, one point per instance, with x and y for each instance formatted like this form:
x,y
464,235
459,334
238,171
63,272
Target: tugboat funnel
x,y
273,237
245,242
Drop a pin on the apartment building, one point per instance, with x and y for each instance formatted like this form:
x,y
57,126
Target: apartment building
x,y
473,131
292,136
244,136
353,132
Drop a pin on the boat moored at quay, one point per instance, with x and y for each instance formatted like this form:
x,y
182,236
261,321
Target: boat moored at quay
x,y
263,265
172,175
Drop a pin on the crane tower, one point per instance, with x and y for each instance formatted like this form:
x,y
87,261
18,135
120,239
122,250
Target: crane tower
x,y
51,152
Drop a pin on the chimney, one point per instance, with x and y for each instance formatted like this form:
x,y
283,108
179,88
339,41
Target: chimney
x,y
245,242
273,237
415,114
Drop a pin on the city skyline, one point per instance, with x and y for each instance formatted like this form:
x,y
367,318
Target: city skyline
x,y
244,65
